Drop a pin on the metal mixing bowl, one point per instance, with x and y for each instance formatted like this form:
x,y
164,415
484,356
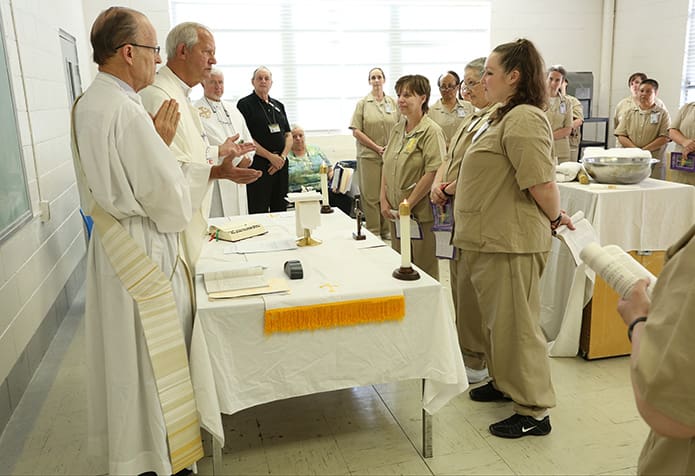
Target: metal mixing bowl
x,y
623,170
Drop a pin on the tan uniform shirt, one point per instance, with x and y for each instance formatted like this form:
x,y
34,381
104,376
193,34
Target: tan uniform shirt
x,y
450,120
462,139
494,212
643,126
665,366
375,119
685,123
626,104
408,157
560,115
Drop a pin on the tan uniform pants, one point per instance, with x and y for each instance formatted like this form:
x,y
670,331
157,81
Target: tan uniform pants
x,y
370,189
423,251
508,299
468,318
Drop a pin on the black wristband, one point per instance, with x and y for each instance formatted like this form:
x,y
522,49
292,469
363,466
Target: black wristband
x,y
555,223
447,194
632,325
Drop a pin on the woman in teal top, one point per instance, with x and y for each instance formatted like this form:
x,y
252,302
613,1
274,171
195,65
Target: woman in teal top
x,y
305,163
305,170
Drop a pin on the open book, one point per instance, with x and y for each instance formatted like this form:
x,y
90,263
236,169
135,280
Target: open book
x,y
620,270
241,281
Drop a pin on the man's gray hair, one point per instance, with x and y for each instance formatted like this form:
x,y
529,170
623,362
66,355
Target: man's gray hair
x,y
186,33
261,68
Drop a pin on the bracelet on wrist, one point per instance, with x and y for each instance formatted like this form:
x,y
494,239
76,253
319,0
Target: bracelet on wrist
x,y
632,325
555,223
443,187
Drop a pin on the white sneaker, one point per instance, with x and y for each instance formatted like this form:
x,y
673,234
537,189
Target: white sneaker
x,y
475,376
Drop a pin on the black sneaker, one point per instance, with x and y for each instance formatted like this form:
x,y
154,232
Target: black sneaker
x,y
517,426
487,393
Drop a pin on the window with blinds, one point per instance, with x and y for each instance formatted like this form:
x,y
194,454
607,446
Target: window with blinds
x,y
320,52
688,93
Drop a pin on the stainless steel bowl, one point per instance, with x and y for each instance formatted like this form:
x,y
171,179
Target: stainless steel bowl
x,y
623,170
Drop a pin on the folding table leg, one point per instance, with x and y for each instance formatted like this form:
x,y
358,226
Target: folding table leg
x,y
217,457
426,430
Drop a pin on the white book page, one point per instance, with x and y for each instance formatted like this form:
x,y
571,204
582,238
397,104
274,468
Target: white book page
x,y
616,267
235,278
577,239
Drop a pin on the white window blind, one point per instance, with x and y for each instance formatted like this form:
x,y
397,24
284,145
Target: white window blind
x,y
688,93
320,52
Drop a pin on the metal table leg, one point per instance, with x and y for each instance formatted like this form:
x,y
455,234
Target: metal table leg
x,y
426,430
217,457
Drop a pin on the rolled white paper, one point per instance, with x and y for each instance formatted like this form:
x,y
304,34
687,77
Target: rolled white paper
x,y
324,183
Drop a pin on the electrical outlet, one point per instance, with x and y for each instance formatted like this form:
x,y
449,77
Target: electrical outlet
x,y
45,210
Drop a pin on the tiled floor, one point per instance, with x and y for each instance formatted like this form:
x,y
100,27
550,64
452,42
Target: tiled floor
x,y
366,430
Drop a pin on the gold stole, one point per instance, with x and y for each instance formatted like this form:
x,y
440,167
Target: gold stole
x,y
151,290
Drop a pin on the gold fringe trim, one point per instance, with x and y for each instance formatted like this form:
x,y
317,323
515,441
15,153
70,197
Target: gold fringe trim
x,y
335,314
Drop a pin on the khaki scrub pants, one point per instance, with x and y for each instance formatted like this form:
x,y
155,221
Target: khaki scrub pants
x,y
423,251
369,171
468,318
508,299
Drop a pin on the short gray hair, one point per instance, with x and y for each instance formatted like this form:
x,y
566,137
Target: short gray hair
x,y
186,33
478,65
261,68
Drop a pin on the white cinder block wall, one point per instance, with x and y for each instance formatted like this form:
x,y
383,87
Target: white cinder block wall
x,y
41,267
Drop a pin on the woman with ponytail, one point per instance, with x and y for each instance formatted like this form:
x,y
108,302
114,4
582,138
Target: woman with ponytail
x,y
507,204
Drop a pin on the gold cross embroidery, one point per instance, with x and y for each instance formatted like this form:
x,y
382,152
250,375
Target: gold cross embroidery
x,y
331,287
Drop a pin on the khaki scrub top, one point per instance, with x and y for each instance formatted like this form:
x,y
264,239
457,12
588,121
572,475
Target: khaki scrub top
x,y
493,211
462,139
408,157
663,373
685,123
626,104
560,115
375,119
450,120
643,126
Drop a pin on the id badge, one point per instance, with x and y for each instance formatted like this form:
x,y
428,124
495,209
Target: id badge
x,y
563,108
274,128
410,145
388,108
461,112
654,118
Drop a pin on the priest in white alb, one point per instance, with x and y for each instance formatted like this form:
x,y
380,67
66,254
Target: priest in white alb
x,y
222,120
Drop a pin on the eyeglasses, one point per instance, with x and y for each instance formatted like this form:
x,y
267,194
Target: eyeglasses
x,y
469,85
156,49
444,87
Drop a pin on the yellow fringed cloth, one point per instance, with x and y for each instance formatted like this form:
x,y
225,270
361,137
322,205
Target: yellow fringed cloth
x,y
334,314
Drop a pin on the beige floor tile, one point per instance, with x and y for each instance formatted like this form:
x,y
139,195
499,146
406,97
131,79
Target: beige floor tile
x,y
413,466
480,461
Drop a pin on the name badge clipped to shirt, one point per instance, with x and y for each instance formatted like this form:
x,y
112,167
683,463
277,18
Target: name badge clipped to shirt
x,y
482,129
654,118
274,128
387,108
563,107
410,146
461,112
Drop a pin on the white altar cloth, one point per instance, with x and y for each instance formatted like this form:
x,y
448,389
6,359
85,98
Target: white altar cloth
x,y
234,365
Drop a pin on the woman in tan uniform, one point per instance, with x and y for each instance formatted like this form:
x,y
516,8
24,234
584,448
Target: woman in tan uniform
x,y
682,132
559,113
662,363
468,322
507,203
646,127
449,111
374,117
414,152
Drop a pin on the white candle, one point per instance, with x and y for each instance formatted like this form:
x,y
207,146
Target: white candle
x,y
404,214
324,183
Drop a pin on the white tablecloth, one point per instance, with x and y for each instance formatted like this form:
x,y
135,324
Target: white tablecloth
x,y
234,365
649,216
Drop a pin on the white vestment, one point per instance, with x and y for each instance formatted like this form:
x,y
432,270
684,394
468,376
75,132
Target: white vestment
x,y
190,146
134,177
221,120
